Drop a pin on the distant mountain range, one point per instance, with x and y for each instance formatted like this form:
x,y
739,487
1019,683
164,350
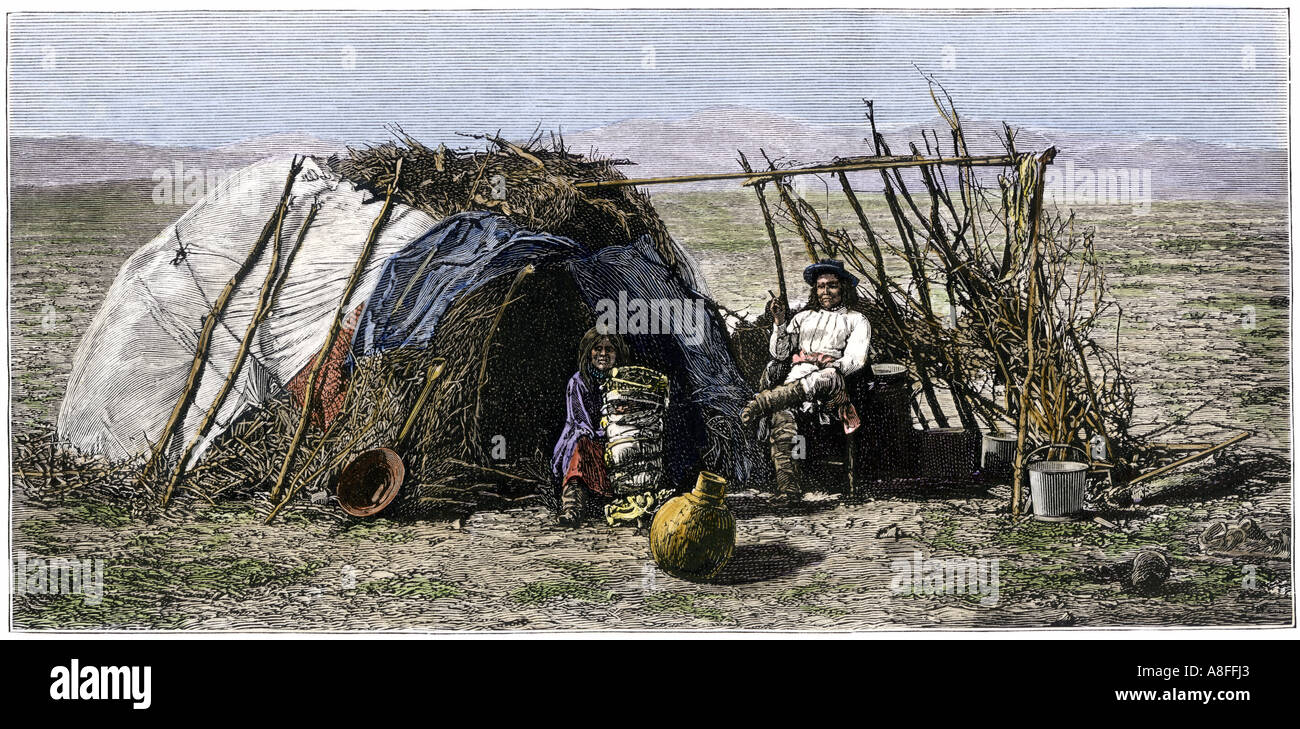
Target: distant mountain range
x,y
1170,168
48,161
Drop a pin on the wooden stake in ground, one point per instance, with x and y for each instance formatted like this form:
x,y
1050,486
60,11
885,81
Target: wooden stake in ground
x,y
309,396
435,371
210,324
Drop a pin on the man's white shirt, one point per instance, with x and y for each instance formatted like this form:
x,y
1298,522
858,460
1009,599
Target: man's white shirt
x,y
840,333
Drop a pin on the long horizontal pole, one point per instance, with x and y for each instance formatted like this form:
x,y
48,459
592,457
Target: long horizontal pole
x,y
858,163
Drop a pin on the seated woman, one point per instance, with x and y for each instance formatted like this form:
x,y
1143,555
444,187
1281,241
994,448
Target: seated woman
x,y
578,463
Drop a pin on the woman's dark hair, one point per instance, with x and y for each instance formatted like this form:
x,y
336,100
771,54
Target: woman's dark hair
x,y
848,296
589,342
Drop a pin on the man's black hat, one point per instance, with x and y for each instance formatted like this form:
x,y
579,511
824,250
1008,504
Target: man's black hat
x,y
829,265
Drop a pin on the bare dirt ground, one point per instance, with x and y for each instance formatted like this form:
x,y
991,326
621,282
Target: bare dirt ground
x,y
1204,334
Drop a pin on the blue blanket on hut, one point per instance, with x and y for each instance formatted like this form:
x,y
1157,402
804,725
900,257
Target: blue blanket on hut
x,y
464,252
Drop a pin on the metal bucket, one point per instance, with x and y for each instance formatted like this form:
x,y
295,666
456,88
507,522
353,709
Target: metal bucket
x,y
1057,488
998,455
370,482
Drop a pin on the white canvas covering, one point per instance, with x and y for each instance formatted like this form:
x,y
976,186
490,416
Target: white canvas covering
x,y
132,362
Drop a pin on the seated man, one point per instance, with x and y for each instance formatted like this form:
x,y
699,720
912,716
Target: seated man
x,y
826,341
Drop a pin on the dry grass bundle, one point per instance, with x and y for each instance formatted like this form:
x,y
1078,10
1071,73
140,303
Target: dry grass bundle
x,y
452,436
383,389
245,459
47,473
532,184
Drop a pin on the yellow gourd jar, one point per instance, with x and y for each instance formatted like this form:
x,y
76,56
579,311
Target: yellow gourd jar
x,y
693,535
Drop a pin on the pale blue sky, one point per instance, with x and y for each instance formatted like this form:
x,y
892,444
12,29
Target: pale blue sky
x,y
211,78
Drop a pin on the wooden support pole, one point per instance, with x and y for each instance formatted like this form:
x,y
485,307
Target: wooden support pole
x,y
776,247
299,482
912,256
771,234
855,164
798,222
264,301
435,371
308,398
882,276
311,457
1036,210
887,301
209,325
